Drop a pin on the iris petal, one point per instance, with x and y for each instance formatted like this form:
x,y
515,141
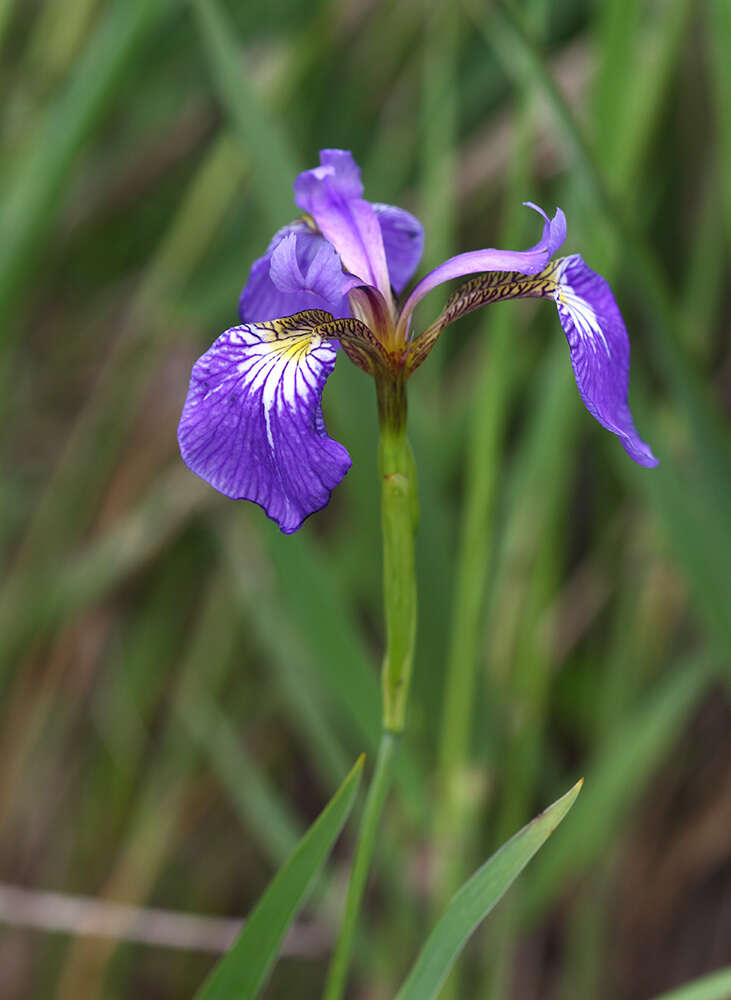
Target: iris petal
x,y
333,195
599,348
522,261
252,422
403,241
593,325
315,279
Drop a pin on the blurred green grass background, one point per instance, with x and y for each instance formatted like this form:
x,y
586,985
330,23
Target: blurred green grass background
x,y
183,687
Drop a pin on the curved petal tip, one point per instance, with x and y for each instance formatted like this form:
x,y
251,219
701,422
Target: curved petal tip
x,y
554,230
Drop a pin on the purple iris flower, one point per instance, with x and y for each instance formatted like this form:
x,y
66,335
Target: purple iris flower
x,y
252,422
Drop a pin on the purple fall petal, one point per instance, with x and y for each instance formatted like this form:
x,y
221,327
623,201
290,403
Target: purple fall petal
x,y
333,195
475,261
403,241
599,348
315,278
252,422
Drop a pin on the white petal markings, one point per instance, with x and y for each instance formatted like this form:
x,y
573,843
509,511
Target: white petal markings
x,y
579,310
263,437
600,351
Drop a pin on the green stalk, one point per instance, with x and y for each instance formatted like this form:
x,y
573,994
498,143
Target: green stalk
x,y
399,513
399,516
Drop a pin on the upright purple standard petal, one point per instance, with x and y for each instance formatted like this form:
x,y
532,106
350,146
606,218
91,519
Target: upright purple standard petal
x,y
599,348
299,271
333,195
252,423
475,261
403,241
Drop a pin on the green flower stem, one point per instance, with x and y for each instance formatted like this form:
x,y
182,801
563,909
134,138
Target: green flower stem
x,y
399,511
399,516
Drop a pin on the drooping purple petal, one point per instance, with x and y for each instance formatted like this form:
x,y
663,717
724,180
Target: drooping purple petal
x,y
306,273
252,422
403,241
599,348
333,195
475,261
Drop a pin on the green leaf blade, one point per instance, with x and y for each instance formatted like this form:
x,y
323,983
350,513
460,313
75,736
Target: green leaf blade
x,y
477,897
716,986
241,973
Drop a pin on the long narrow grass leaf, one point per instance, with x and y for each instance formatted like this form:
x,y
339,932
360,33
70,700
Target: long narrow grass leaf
x,y
241,974
476,898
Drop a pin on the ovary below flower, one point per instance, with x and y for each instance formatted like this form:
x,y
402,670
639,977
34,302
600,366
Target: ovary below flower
x,y
252,422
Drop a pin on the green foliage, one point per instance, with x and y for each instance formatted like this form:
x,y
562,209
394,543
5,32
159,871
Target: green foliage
x,y
243,972
476,898
717,986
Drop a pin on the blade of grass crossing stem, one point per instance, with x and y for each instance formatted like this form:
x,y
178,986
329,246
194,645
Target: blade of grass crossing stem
x,y
274,165
716,986
241,974
476,899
